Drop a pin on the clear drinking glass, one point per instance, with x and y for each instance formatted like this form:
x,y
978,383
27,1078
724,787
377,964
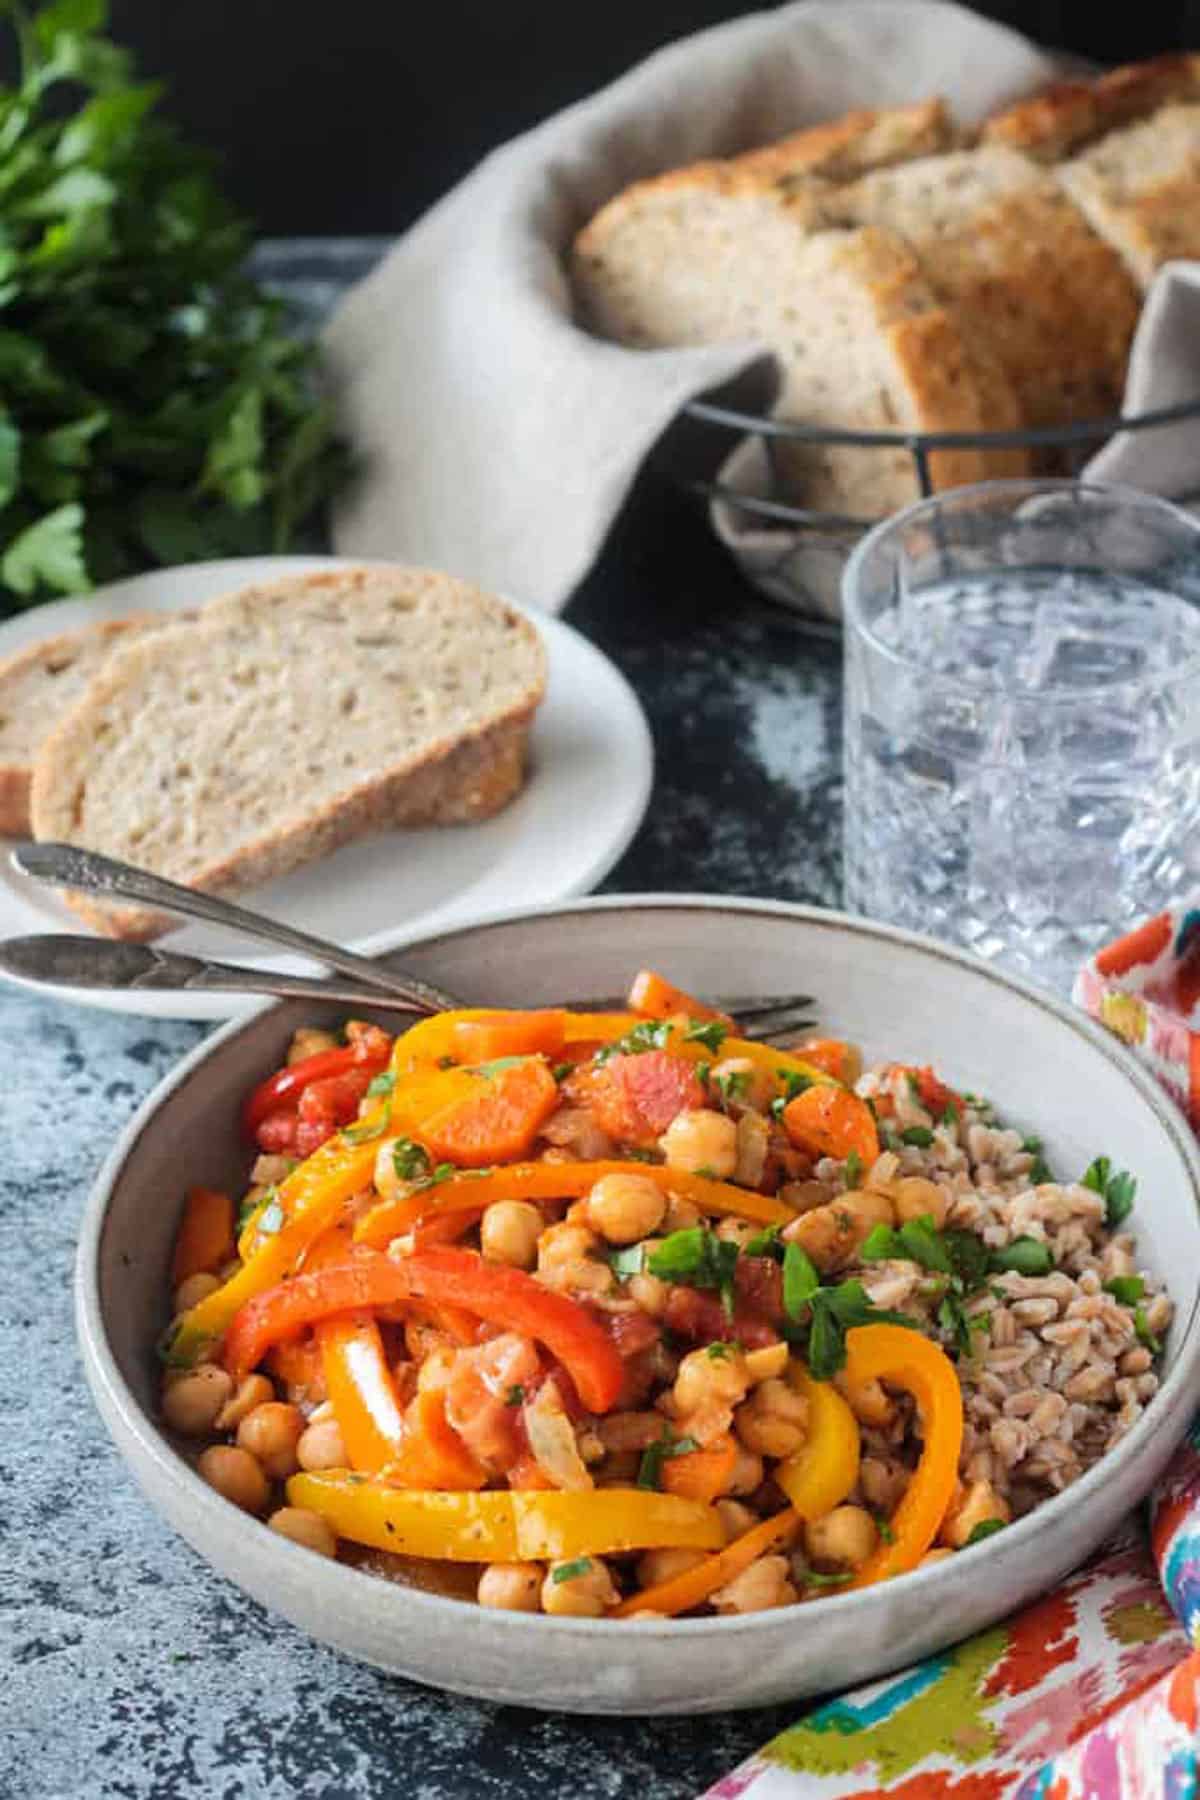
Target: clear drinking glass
x,y
1022,718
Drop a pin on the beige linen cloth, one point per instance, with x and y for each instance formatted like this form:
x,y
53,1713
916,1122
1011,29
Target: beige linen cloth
x,y
499,438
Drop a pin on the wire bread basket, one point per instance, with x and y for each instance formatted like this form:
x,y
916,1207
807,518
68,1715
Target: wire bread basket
x,y
796,555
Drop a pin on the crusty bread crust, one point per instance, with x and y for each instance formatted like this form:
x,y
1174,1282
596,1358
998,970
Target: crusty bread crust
x,y
16,766
1139,188
1068,114
467,773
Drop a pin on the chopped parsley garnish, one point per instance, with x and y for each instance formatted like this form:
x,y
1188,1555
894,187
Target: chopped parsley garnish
x,y
914,1086
515,1395
793,1084
950,1114
709,1032
986,1528
365,1129
1128,1289
271,1219
719,1351
650,1034
560,1071
650,1468
568,1571
915,1241
1141,1326
800,1280
958,1257
832,1311
627,1262
818,1578
1024,1256
764,1243
697,1257
1117,1190
919,1136
884,1527
251,1204
733,1086
381,1085
410,1160
488,1069
853,1169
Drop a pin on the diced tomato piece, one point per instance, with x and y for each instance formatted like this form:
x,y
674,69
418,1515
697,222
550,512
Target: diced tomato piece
x,y
758,1287
702,1319
632,1332
276,1135
635,1098
934,1095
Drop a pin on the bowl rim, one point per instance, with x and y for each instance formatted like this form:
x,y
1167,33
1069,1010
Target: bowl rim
x,y
112,1393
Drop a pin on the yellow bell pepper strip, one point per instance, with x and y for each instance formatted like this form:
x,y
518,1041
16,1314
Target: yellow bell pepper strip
x,y
501,1526
309,1200
819,1475
503,1296
471,1192
916,1364
682,1593
436,1037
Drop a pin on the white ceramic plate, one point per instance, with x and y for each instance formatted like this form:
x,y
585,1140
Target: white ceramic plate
x,y
592,767
1048,1069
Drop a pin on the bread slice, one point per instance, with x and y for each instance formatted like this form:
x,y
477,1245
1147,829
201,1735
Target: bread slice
x,y
286,720
1029,281
38,686
1140,190
842,149
1064,117
862,340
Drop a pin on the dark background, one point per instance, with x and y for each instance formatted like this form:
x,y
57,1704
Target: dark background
x,y
349,116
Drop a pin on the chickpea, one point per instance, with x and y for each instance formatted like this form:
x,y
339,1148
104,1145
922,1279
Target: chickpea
x,y
977,1505
762,1364
737,1231
624,1208
271,1432
309,1041
565,1260
833,1234
648,1293
304,1527
742,1082
236,1475
747,1473
869,1401
773,1422
846,1537
701,1141
735,1519
765,1584
321,1446
715,1374
916,1198
680,1215
256,1390
191,1404
579,1589
509,1233
662,1565
511,1587
196,1288
883,1483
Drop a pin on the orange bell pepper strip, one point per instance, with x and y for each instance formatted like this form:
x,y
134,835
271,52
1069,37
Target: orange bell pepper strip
x,y
310,1200
819,1475
836,1057
701,1474
1145,944
654,997
499,1525
430,1453
503,1296
433,1038
510,1034
496,1123
205,1237
831,1121
915,1363
471,1193
682,1593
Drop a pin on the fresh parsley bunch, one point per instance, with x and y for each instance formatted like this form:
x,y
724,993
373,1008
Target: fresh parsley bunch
x,y
153,406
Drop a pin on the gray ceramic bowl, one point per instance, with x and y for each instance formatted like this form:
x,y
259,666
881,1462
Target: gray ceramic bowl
x,y
1047,1068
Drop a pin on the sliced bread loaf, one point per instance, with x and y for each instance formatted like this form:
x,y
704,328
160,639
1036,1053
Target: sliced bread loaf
x,y
285,721
37,687
1140,189
1030,283
1069,114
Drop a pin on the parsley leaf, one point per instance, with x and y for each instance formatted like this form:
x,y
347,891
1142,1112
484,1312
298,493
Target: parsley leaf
x,y
818,1578
986,1528
1128,1289
800,1280
733,1086
381,1085
1141,1326
697,1257
1118,1190
918,1135
764,1243
650,1034
709,1032
853,1169
515,1395
1024,1256
568,1571
650,1468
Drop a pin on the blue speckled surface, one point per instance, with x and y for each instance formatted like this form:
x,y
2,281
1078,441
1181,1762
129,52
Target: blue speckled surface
x,y
129,1669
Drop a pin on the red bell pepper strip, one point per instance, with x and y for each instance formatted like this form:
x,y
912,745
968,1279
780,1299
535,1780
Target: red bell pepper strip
x,y
503,1296
282,1090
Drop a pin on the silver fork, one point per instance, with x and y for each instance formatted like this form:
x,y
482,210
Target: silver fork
x,y
75,961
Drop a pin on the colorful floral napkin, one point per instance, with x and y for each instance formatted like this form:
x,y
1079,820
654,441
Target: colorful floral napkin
x,y
1092,1693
